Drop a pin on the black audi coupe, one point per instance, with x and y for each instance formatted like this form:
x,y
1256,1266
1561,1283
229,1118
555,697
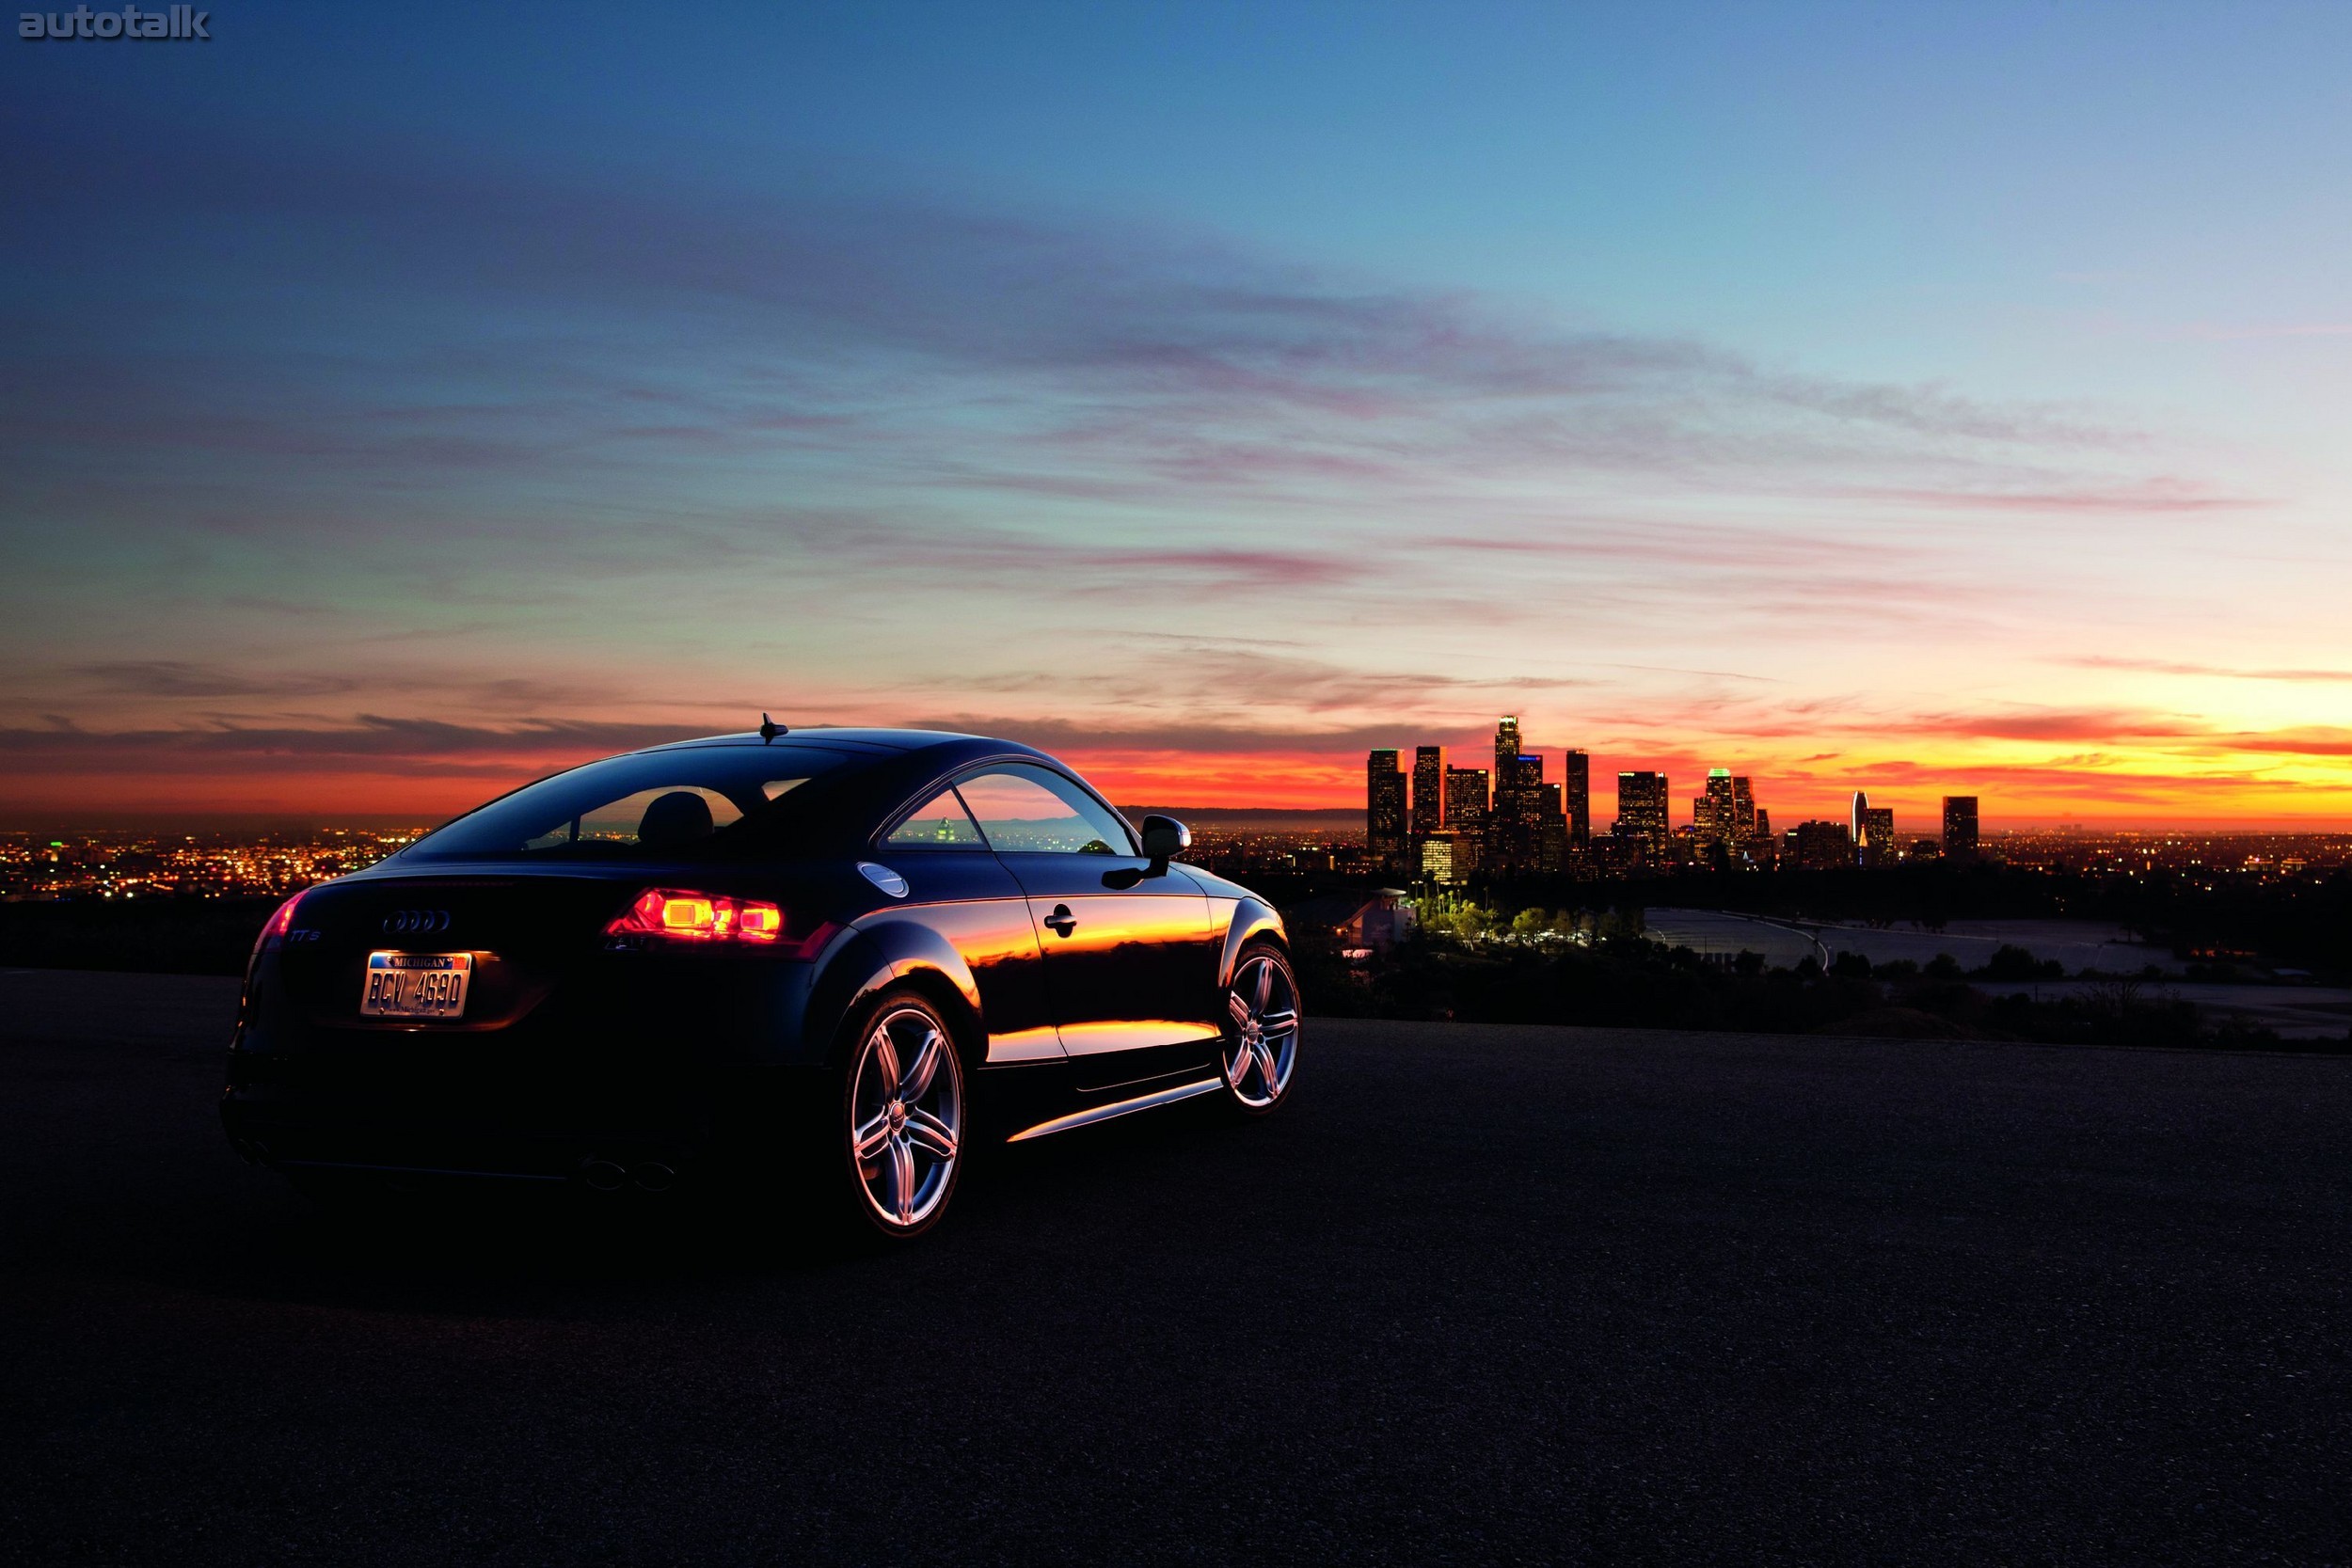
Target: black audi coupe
x,y
839,954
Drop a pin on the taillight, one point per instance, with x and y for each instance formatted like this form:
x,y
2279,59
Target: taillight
x,y
672,915
273,934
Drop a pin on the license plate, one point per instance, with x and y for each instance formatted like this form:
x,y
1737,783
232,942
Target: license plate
x,y
416,984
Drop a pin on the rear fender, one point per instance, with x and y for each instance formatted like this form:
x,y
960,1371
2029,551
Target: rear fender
x,y
892,952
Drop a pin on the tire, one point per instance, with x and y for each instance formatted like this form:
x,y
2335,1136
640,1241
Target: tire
x,y
894,1156
1259,1058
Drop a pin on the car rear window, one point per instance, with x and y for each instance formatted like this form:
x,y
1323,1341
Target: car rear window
x,y
694,801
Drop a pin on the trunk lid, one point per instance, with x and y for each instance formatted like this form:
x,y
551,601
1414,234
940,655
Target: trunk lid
x,y
525,933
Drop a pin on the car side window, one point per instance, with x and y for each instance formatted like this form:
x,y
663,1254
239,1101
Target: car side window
x,y
1034,811
939,823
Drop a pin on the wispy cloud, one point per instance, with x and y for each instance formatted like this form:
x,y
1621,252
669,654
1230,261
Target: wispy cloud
x,y
2128,733
2278,329
2215,671
2152,497
1110,354
372,742
177,678
1207,681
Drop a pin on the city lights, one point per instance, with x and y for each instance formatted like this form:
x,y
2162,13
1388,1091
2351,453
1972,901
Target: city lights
x,y
133,864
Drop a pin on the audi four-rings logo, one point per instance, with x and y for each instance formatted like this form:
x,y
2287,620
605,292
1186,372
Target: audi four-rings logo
x,y
415,922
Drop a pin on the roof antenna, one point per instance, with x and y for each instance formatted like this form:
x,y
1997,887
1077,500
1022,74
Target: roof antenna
x,y
770,729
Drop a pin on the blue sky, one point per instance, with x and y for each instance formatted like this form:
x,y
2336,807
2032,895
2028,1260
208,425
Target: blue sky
x,y
1928,398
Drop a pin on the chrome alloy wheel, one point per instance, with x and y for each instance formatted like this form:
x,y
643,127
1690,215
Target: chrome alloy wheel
x,y
906,1116
1263,1045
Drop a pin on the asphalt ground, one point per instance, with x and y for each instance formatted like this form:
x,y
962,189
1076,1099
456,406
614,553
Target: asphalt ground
x,y
1479,1295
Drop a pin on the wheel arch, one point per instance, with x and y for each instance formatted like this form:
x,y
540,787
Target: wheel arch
x,y
1252,920
894,953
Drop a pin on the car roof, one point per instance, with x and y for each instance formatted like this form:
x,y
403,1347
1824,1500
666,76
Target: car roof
x,y
852,737
904,756
881,771
896,764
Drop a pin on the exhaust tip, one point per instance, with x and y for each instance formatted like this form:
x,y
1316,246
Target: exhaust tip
x,y
653,1177
603,1176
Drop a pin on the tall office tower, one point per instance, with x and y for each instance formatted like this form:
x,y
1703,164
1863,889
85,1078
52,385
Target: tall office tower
x,y
1577,792
1959,826
1746,822
1503,821
1384,810
1641,809
1854,818
1506,746
1514,826
1428,790
1762,847
1466,800
1526,800
1551,829
1877,836
1714,815
1763,823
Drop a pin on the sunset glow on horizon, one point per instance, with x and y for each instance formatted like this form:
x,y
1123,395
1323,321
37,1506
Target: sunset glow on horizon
x,y
1854,399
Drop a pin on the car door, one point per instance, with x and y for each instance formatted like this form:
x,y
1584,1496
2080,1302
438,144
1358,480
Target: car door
x,y
1130,958
955,887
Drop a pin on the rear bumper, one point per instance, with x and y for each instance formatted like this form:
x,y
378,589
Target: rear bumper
x,y
690,1068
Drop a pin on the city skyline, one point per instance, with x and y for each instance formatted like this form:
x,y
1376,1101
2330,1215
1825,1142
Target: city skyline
x,y
1446,821
1937,405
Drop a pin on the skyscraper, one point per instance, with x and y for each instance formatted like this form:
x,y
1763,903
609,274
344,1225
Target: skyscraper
x,y
1641,811
1519,815
1466,791
1877,836
1853,815
1428,790
1959,826
1384,809
1551,829
1714,815
1577,797
1746,822
1506,746
1503,821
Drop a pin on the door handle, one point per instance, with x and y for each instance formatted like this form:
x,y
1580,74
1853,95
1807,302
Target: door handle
x,y
1062,921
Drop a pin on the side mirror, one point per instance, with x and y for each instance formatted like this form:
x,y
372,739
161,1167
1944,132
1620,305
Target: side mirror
x,y
1164,839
